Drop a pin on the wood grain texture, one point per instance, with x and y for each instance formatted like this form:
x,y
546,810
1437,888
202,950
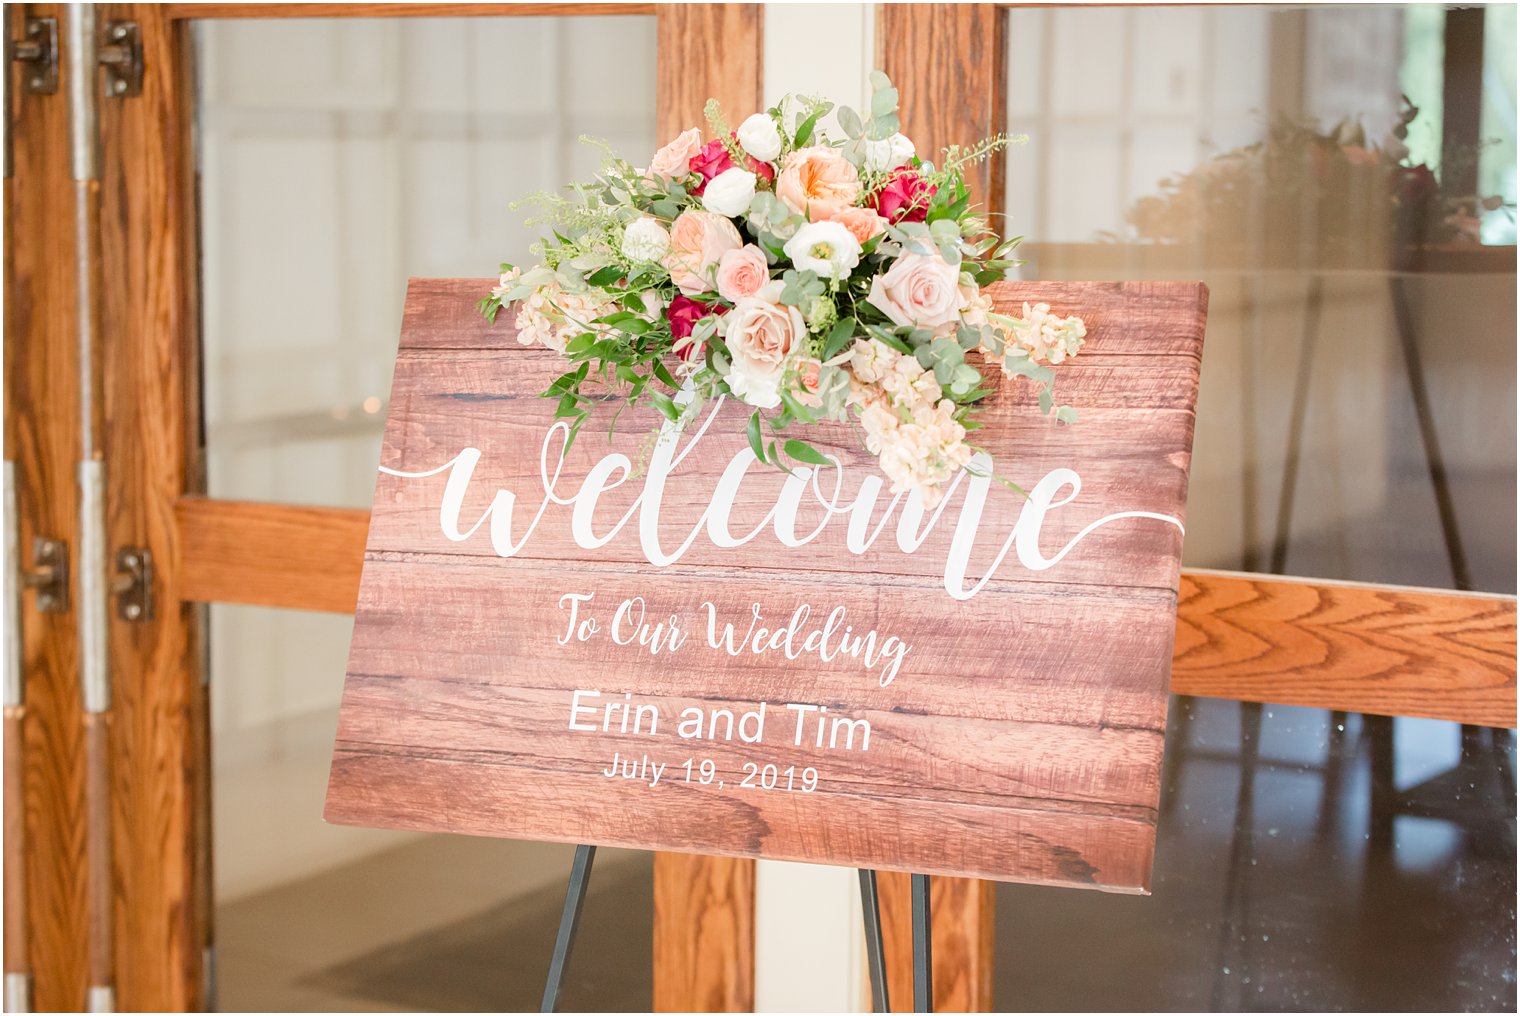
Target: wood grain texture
x,y
962,918
706,51
1371,649
148,331
946,61
187,11
271,555
997,754
704,941
42,439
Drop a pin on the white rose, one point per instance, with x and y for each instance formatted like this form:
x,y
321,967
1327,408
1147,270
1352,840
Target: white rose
x,y
645,240
730,192
827,248
761,336
887,155
759,137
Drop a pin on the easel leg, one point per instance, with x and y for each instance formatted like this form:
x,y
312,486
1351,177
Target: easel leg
x,y
923,962
876,961
575,896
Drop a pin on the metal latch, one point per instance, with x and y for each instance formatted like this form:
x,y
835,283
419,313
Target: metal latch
x,y
133,584
121,56
49,575
39,51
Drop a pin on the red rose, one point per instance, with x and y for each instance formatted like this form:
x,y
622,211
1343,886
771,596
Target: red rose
x,y
904,197
714,159
683,315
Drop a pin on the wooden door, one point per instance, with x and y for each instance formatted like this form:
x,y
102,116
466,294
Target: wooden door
x,y
108,887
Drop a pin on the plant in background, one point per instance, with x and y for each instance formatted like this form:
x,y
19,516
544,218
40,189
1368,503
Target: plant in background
x,y
1304,191
813,278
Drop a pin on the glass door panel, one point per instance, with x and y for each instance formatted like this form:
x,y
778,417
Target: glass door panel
x,y
337,159
1356,420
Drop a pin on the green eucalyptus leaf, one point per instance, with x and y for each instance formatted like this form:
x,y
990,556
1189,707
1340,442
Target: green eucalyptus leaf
x,y
753,432
804,452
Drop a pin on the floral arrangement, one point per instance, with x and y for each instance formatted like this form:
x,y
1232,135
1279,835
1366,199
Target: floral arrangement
x,y
1306,191
811,277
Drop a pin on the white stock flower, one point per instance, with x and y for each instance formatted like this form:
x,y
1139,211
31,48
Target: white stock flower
x,y
759,137
730,192
827,248
645,240
886,155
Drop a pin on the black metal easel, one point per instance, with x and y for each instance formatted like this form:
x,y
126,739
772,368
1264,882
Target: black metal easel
x,y
923,964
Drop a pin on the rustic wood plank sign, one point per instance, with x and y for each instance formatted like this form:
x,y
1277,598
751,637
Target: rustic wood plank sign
x,y
658,642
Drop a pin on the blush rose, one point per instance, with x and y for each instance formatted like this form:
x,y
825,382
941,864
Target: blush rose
x,y
675,158
742,272
922,290
697,241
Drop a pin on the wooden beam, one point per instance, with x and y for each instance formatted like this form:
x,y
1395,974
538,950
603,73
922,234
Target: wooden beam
x,y
690,40
184,12
947,62
1341,645
704,942
1257,638
270,555
961,940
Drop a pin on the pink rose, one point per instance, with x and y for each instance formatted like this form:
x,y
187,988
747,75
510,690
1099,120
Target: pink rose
x,y
697,241
714,159
742,272
919,289
675,158
683,315
904,198
818,176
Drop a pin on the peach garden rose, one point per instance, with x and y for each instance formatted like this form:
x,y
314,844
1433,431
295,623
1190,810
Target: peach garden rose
x,y
818,182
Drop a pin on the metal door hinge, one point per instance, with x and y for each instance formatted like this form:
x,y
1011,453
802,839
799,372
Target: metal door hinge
x,y
49,575
39,53
121,56
133,584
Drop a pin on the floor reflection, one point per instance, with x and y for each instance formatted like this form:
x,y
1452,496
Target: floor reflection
x,y
1301,882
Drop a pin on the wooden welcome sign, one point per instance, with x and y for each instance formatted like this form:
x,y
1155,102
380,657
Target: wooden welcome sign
x,y
666,645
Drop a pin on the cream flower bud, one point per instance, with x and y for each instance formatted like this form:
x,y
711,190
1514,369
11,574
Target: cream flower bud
x,y
730,192
886,155
759,137
645,240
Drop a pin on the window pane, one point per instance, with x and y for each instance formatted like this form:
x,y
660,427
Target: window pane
x,y
338,158
1356,420
1357,413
